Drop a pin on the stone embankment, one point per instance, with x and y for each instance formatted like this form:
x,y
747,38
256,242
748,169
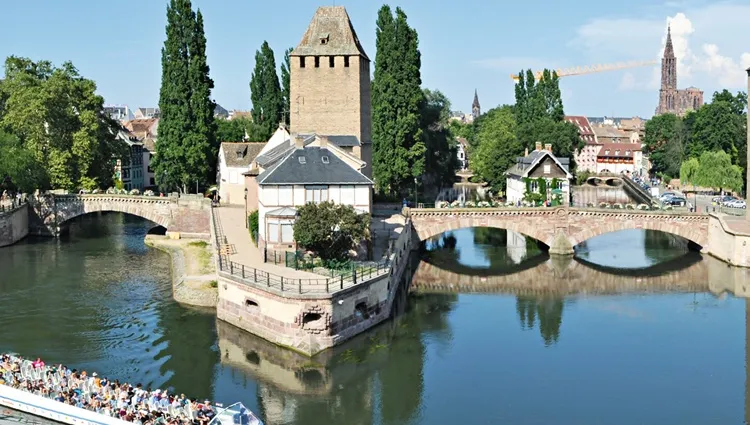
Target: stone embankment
x,y
14,223
194,279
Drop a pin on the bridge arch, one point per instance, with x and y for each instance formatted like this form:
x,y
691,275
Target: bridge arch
x,y
505,222
153,210
684,229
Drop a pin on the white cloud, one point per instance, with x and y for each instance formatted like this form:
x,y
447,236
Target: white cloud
x,y
708,44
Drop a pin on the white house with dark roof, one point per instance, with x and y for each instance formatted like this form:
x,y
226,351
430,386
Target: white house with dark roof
x,y
309,169
235,159
541,163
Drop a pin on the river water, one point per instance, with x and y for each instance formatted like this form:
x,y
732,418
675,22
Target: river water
x,y
576,346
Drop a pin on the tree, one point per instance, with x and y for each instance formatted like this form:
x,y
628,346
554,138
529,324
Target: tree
x,y
285,85
497,147
265,92
662,143
237,130
441,160
19,166
737,103
689,171
717,171
330,230
58,119
187,131
397,98
540,115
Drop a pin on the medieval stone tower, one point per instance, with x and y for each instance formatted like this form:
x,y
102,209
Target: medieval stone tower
x,y
330,84
672,100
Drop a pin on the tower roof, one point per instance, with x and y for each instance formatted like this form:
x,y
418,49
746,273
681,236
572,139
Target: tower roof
x,y
668,49
475,104
330,33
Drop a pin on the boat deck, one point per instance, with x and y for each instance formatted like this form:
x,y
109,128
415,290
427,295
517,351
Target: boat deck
x,y
14,417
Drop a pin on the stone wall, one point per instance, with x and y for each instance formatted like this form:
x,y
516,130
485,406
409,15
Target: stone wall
x,y
726,244
14,225
310,323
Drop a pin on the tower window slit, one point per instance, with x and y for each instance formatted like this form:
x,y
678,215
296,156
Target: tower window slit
x,y
331,61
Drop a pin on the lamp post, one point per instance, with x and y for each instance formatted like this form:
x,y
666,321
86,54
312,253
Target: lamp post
x,y
416,194
246,220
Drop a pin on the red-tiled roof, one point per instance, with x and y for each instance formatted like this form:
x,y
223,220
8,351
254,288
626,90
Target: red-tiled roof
x,y
618,150
584,127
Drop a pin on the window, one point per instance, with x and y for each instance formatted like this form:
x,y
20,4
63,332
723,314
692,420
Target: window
x,y
533,186
317,61
346,62
301,61
302,160
324,159
316,194
286,195
331,61
152,181
273,232
547,168
287,233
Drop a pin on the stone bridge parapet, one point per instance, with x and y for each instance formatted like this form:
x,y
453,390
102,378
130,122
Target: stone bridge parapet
x,y
560,228
187,215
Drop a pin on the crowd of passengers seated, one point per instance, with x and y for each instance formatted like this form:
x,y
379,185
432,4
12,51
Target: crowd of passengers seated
x,y
112,398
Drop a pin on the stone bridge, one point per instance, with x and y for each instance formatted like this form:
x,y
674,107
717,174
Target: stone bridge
x,y
187,215
560,228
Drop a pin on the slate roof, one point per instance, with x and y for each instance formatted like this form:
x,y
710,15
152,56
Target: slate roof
x,y
249,152
330,33
524,164
312,169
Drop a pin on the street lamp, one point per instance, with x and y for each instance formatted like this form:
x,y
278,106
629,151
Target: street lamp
x,y
246,219
416,194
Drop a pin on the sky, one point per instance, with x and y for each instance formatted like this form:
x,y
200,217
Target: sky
x,y
467,45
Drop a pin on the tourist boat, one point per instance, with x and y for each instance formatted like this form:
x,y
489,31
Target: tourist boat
x,y
235,414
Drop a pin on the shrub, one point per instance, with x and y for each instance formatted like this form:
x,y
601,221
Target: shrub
x,y
603,205
617,206
252,224
330,230
213,284
642,207
629,207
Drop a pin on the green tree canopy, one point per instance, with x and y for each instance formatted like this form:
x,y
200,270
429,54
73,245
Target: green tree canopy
x,y
285,84
58,119
187,130
689,171
20,167
265,92
237,130
397,98
497,147
441,161
716,170
330,230
662,143
540,115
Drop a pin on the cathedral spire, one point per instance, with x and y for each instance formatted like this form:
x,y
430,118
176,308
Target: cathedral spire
x,y
668,49
475,104
476,110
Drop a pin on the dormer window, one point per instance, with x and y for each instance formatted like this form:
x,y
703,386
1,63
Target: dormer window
x,y
324,159
324,38
302,160
240,154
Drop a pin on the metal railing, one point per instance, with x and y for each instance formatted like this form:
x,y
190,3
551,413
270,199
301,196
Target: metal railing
x,y
250,275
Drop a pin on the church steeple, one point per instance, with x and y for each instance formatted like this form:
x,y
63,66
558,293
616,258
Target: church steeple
x,y
669,64
476,110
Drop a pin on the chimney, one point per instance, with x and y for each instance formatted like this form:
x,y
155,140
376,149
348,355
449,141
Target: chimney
x,y
282,125
299,141
526,152
323,140
538,146
548,147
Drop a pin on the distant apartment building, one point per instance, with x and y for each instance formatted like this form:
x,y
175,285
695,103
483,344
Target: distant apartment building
x,y
462,153
119,112
136,171
129,170
142,113
240,115
585,157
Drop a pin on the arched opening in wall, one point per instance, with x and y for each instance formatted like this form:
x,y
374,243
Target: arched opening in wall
x,y
310,378
253,357
637,249
312,320
485,251
99,224
360,311
613,182
252,306
157,230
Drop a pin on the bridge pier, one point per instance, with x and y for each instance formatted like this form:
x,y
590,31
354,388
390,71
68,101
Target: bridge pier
x,y
561,245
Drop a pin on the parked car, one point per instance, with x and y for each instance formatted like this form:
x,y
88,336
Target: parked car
x,y
736,203
676,201
722,199
666,195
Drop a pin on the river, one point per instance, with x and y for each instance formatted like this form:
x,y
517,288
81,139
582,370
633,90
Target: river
x,y
604,349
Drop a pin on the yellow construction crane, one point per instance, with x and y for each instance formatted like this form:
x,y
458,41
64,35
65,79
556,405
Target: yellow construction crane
x,y
580,70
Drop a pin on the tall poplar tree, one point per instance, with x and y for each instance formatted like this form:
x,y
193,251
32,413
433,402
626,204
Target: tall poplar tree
x,y
285,84
397,98
186,128
265,91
